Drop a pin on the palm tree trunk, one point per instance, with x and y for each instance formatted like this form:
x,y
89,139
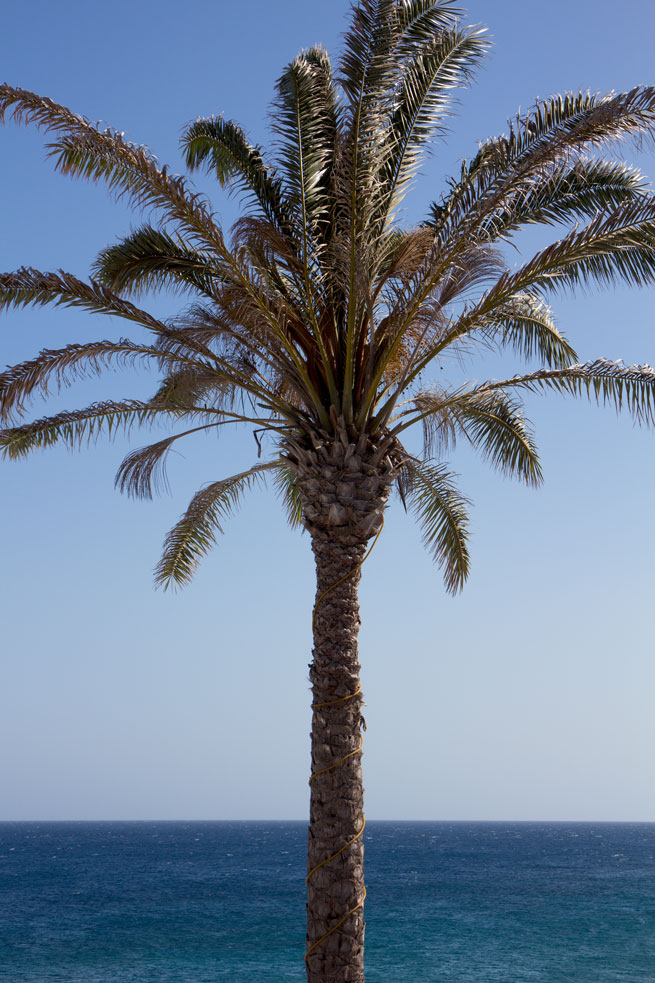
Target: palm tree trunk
x,y
344,480
335,854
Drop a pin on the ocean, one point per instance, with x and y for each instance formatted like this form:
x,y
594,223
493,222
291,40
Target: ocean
x,y
197,902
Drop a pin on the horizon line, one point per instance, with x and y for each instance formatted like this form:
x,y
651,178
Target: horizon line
x,y
261,820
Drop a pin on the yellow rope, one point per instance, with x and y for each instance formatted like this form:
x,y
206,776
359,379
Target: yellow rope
x,y
342,699
335,764
360,904
346,575
356,837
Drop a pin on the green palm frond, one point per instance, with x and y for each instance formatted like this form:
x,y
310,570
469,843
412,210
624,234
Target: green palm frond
x,y
610,249
77,427
61,367
570,121
549,139
420,20
625,387
384,38
195,533
441,512
445,62
383,35
221,147
367,72
304,120
492,421
286,485
366,69
526,324
151,259
567,193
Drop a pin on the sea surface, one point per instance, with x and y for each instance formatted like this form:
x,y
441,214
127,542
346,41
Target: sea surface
x,y
194,902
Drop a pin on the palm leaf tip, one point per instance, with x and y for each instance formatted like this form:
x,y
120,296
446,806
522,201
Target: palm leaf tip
x,y
497,426
287,488
441,511
143,471
195,533
490,419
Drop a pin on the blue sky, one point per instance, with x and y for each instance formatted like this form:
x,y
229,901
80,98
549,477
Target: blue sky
x,y
527,697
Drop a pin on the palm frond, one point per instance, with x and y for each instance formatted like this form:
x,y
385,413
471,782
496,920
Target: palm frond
x,y
414,333
566,193
547,141
610,249
188,386
76,427
83,150
182,356
286,485
61,367
208,330
195,533
446,62
441,512
23,106
131,171
221,147
402,252
367,73
28,286
304,120
249,358
143,472
573,120
366,68
492,421
420,20
526,324
151,259
607,382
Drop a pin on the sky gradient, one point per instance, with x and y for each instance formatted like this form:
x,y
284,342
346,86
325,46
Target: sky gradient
x,y
529,696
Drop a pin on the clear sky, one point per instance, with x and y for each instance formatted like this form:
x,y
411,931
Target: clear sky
x,y
527,697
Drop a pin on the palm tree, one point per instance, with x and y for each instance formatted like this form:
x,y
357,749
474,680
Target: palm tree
x,y
315,323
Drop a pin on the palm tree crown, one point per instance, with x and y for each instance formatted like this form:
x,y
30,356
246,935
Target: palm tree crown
x,y
322,307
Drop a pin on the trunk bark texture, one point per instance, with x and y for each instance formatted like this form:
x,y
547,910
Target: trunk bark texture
x,y
335,887
344,480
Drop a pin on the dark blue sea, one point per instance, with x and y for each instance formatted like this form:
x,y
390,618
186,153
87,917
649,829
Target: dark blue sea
x,y
194,902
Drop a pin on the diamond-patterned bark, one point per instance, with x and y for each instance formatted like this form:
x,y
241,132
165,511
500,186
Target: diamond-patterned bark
x,y
344,480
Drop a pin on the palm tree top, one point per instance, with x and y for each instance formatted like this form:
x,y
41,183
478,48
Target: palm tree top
x,y
320,317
